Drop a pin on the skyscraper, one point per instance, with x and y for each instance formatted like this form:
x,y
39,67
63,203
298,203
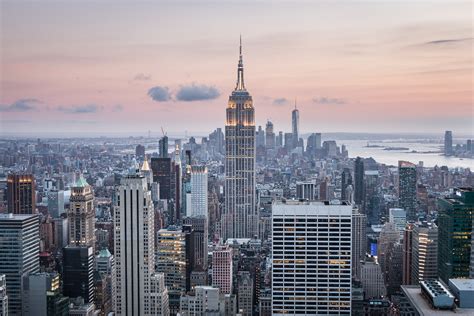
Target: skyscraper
x,y
134,245
199,191
163,144
454,234
19,249
81,214
78,272
269,136
311,258
240,217
407,188
425,252
359,181
21,194
346,180
295,125
448,143
222,269
55,203
359,241
161,168
306,190
3,295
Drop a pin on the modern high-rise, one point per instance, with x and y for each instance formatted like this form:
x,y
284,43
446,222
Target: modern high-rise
x,y
359,191
222,269
346,180
372,280
311,258
134,245
295,126
407,189
424,252
159,299
78,272
359,241
42,295
454,234
21,198
81,214
448,143
163,147
161,168
3,295
171,261
199,191
200,229
240,217
19,253
407,261
55,203
398,216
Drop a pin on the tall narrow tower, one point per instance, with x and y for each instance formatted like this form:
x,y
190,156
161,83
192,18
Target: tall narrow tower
x,y
240,218
295,124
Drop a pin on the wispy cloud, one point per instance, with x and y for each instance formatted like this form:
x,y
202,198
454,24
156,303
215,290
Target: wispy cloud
x,y
449,41
327,100
159,94
80,109
142,77
196,92
280,101
21,105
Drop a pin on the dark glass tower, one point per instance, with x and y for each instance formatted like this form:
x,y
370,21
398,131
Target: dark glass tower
x,y
240,217
407,188
78,272
21,194
359,181
454,234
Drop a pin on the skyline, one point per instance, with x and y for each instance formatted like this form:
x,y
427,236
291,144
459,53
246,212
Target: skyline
x,y
97,68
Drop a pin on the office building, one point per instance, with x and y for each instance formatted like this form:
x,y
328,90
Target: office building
x,y
55,203
295,124
372,280
240,217
134,245
78,272
81,214
454,234
199,191
42,295
304,279
161,168
206,301
163,147
398,216
359,191
171,260
260,137
448,143
3,295
346,180
245,293
200,230
222,269
407,262
359,241
21,197
306,190
424,253
269,136
19,249
407,189
159,300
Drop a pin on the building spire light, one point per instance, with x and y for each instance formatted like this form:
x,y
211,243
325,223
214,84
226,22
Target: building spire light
x,y
240,86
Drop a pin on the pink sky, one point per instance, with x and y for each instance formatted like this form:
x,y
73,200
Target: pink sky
x,y
354,66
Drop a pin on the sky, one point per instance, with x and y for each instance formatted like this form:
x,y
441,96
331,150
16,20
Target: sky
x,y
122,67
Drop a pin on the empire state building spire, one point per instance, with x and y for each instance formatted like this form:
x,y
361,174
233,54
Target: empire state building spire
x,y
240,71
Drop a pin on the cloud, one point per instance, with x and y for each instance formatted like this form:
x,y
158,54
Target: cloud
x,y
326,100
449,41
159,94
195,92
280,101
80,109
21,105
142,77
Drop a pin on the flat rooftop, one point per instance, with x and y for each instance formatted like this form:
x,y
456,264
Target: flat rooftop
x,y
413,293
463,284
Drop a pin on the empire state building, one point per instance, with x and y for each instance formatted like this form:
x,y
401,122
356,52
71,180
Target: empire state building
x,y
240,219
